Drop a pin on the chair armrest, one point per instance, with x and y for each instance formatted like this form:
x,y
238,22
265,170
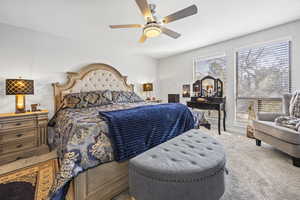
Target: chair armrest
x,y
268,116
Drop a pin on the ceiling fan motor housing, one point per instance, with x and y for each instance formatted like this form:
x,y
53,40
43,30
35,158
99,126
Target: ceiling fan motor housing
x,y
152,29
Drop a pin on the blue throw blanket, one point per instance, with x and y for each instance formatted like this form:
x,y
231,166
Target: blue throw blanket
x,y
136,130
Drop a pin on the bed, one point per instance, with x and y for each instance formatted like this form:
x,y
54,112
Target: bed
x,y
108,178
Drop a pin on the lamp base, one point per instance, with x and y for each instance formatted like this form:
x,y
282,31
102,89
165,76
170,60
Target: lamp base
x,y
20,104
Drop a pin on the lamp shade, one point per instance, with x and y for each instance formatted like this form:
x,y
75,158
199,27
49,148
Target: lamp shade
x,y
147,87
19,87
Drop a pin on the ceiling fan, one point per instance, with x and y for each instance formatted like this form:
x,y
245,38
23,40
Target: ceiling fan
x,y
154,27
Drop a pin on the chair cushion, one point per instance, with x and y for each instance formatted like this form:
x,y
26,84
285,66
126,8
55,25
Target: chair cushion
x,y
283,133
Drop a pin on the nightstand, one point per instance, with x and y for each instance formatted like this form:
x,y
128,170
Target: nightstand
x,y
23,135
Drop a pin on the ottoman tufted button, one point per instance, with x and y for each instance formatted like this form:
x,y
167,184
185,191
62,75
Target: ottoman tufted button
x,y
193,163
153,156
191,146
174,159
183,152
202,154
166,150
209,148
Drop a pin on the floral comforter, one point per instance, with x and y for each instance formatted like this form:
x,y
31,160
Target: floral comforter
x,y
82,140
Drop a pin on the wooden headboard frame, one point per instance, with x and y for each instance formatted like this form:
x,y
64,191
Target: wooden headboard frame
x,y
93,77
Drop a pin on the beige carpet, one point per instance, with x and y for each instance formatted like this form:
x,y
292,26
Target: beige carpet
x,y
255,173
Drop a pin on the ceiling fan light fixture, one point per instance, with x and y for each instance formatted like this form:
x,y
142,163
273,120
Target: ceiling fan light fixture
x,y
152,30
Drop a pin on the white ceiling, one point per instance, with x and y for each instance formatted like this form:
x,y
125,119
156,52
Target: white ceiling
x,y
88,20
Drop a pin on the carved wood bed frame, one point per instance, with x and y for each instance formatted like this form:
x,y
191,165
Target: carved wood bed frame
x,y
107,180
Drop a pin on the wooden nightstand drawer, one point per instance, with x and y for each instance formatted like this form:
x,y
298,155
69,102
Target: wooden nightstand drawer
x,y
17,156
18,145
17,135
22,135
11,125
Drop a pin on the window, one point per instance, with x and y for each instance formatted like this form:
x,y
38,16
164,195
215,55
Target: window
x,y
215,67
263,76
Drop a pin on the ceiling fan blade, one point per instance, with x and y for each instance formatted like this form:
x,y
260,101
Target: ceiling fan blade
x,y
192,10
170,33
143,38
145,9
126,26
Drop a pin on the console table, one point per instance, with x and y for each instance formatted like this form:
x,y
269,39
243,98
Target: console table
x,y
211,104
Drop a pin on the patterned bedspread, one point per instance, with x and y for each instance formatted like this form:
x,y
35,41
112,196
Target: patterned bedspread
x,y
82,140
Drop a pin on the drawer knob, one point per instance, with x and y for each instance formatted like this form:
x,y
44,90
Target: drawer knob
x,y
18,158
19,145
20,135
18,124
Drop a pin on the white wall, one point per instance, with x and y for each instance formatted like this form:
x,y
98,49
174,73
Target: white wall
x,y
45,58
177,70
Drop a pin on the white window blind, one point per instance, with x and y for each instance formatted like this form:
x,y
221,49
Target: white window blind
x,y
263,76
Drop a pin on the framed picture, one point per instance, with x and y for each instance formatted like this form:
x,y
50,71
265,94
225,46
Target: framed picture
x,y
186,91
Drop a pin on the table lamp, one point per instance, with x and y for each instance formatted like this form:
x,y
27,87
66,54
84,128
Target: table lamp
x,y
20,88
148,87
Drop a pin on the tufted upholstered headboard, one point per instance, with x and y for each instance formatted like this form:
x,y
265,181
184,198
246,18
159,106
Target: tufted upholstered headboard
x,y
90,78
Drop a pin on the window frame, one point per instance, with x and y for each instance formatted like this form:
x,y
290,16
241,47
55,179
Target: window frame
x,y
236,71
204,58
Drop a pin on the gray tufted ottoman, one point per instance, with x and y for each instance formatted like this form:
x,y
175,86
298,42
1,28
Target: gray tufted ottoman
x,y
188,167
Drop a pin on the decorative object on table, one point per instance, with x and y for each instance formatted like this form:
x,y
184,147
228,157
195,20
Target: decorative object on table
x,y
200,99
251,117
34,107
20,88
186,91
251,112
148,88
154,101
23,135
29,183
173,98
210,87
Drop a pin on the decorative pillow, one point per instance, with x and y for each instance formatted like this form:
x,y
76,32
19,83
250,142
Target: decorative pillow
x,y
135,98
74,100
88,99
125,97
295,105
119,97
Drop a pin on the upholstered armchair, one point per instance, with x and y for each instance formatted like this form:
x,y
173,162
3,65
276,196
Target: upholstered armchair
x,y
282,138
